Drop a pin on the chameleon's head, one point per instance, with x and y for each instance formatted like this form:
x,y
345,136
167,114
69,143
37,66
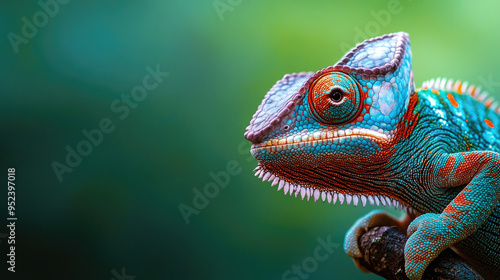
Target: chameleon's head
x,y
316,132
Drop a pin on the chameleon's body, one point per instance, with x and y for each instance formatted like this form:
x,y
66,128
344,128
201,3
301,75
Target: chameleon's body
x,y
359,132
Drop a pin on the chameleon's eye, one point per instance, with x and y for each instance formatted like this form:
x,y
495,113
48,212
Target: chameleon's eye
x,y
336,95
334,98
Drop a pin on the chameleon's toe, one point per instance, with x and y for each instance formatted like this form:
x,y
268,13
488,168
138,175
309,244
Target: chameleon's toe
x,y
351,241
360,227
365,223
428,238
351,246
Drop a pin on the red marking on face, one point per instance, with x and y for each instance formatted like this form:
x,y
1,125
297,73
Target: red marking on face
x,y
466,120
452,100
489,123
322,172
408,122
427,137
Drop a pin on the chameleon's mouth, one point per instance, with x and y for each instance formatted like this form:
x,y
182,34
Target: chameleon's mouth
x,y
324,137
319,138
330,196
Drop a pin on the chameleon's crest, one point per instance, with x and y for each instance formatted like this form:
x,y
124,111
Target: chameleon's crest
x,y
376,56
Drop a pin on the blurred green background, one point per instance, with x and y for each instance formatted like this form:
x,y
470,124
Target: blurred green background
x,y
119,207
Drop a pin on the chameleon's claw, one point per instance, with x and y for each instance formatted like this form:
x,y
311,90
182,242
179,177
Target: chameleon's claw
x,y
429,236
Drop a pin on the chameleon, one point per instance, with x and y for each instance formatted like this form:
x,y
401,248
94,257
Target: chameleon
x,y
360,132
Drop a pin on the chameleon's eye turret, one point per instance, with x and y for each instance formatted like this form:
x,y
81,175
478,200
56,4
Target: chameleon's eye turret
x,y
334,98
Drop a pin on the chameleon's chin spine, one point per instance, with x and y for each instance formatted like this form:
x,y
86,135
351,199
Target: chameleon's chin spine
x,y
329,196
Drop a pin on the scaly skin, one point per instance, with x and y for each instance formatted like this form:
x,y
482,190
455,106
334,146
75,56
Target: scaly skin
x,y
359,132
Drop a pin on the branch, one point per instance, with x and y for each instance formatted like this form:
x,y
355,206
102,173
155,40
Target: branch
x,y
383,251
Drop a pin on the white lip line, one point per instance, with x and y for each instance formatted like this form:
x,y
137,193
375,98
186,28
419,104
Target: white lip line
x,y
331,136
331,196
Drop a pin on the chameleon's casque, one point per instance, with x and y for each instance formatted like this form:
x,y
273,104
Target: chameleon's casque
x,y
359,132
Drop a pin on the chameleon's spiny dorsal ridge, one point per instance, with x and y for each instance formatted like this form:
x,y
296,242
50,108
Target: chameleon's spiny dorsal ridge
x,y
462,88
358,132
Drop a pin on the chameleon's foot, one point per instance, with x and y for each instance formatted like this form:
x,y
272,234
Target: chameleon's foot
x,y
428,235
363,225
